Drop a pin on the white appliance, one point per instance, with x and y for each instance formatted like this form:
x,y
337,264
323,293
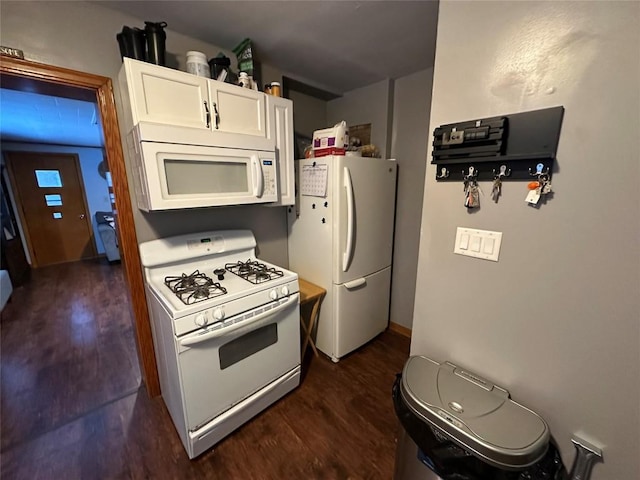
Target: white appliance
x,y
189,172
225,328
341,238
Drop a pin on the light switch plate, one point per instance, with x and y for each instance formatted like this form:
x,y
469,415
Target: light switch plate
x,y
483,244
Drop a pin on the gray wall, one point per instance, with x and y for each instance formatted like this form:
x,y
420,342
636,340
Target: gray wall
x,y
557,319
371,104
82,36
309,113
410,134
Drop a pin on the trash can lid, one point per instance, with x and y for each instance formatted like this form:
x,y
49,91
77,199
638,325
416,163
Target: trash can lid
x,y
475,414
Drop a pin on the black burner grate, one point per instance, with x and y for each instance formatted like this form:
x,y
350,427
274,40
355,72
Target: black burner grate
x,y
253,271
194,288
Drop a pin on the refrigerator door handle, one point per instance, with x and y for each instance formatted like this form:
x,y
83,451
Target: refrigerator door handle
x,y
358,282
348,251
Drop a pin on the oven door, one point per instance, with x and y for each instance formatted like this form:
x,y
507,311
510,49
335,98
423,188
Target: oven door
x,y
188,176
221,367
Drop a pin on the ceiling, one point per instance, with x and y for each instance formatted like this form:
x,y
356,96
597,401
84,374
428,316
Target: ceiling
x,y
35,118
337,46
334,45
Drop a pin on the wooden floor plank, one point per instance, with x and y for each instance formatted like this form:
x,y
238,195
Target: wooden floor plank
x,y
71,406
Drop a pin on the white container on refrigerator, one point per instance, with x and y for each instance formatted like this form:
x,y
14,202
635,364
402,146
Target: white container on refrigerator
x,y
341,238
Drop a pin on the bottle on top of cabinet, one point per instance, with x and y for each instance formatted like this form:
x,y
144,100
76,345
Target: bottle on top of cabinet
x,y
244,80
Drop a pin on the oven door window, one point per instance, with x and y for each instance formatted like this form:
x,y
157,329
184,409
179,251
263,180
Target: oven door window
x,y
188,177
246,345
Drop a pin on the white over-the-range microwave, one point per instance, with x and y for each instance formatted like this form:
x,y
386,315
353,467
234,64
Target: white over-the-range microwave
x,y
180,167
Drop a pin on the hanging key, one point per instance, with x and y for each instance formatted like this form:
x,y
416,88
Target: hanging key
x,y
473,196
496,190
533,196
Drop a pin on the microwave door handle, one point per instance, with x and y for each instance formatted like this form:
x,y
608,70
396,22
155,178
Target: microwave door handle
x,y
258,185
253,323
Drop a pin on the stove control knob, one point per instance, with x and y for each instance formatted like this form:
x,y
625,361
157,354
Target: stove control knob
x,y
202,320
219,272
218,314
285,290
273,294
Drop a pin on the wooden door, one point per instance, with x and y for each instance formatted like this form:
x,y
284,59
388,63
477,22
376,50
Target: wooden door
x,y
52,205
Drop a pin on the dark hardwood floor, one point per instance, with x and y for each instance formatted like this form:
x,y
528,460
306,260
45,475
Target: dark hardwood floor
x,y
72,406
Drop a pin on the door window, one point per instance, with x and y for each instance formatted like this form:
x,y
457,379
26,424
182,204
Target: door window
x,y
53,200
48,178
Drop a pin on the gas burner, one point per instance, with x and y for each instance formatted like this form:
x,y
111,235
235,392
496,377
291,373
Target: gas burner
x,y
253,271
262,276
194,288
201,292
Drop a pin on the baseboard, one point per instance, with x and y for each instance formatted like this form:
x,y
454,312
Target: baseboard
x,y
402,330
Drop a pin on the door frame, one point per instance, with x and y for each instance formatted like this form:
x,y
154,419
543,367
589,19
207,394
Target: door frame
x,y
18,198
25,71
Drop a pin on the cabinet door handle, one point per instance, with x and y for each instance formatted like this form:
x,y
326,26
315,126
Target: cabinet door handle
x,y
215,109
206,109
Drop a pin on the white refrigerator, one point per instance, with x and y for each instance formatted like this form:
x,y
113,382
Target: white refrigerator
x,y
341,238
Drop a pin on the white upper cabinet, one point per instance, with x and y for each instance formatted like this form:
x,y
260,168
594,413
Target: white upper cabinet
x,y
162,95
237,110
280,129
217,114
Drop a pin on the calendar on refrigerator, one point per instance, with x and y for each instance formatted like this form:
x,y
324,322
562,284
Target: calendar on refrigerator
x,y
314,180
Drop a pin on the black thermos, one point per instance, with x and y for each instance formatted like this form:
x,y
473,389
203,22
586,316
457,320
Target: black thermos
x,y
156,37
131,42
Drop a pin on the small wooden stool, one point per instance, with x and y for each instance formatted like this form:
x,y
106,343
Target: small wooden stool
x,y
309,293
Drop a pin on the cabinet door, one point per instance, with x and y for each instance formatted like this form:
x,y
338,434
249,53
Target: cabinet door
x,y
237,110
280,129
162,95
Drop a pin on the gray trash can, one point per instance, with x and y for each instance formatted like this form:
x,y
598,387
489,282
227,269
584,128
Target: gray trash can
x,y
458,426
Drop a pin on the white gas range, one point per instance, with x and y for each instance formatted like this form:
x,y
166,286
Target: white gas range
x,y
226,331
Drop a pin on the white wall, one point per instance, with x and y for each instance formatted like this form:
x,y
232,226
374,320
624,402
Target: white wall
x,y
82,36
410,134
95,187
371,104
557,319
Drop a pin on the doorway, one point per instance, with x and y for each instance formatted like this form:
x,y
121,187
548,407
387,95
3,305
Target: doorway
x,y
54,211
26,75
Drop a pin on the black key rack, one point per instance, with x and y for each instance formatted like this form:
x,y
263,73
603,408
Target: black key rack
x,y
514,146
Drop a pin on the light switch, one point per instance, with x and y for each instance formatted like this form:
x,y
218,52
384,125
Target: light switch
x,y
487,246
475,243
464,241
483,244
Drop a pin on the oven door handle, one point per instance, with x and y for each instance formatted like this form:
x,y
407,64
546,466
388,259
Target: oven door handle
x,y
252,324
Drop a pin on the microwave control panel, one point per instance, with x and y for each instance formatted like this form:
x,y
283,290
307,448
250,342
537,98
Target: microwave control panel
x,y
269,175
